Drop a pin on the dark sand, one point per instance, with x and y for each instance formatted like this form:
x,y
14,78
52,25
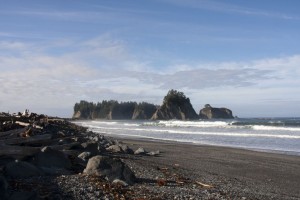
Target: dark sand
x,y
243,174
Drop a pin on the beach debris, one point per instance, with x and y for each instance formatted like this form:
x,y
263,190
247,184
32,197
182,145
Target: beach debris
x,y
161,182
203,185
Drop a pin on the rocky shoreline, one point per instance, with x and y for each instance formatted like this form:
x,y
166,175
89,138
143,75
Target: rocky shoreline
x,y
42,157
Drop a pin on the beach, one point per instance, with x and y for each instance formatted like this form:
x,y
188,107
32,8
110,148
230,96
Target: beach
x,y
51,158
234,173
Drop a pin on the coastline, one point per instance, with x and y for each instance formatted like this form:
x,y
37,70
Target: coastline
x,y
239,172
164,170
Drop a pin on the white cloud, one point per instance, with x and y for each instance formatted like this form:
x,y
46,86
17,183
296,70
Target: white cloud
x,y
101,68
220,6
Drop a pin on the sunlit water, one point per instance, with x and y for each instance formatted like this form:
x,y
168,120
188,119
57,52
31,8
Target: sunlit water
x,y
279,135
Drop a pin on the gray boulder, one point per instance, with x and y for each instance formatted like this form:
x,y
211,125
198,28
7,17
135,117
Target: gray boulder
x,y
125,148
21,169
85,156
92,147
153,153
114,148
110,168
140,151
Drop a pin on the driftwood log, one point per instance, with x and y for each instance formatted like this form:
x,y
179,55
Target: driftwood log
x,y
37,139
18,152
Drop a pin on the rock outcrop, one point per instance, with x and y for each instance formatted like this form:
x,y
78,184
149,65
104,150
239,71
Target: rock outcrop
x,y
175,106
113,110
209,112
144,111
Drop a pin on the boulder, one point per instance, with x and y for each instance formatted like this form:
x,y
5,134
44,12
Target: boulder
x,y
175,106
51,158
209,112
140,151
110,168
125,148
21,169
114,148
153,153
85,156
92,147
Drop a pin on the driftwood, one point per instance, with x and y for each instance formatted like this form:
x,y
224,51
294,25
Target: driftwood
x,y
18,152
203,184
65,146
12,133
37,139
27,124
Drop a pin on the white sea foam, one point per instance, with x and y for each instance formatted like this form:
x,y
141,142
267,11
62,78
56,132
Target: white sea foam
x,y
275,128
172,131
177,123
246,134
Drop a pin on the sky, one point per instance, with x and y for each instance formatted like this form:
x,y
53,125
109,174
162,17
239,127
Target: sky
x,y
243,55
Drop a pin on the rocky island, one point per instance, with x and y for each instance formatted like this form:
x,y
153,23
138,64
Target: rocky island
x,y
175,106
209,112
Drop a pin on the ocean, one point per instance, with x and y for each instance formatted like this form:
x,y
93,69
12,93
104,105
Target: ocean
x,y
280,135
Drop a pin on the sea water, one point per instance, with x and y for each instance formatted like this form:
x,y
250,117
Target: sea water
x,y
268,134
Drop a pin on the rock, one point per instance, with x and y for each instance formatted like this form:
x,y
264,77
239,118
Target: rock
x,y
119,182
114,148
140,151
215,113
3,188
110,168
92,147
144,111
85,156
126,149
175,106
153,153
51,158
21,169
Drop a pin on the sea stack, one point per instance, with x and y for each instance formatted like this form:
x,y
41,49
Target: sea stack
x,y
175,106
209,112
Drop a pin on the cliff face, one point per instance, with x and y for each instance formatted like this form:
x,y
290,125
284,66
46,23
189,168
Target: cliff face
x,y
144,111
175,106
215,113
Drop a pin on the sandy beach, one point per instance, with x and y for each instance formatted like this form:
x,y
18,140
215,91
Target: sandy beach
x,y
240,174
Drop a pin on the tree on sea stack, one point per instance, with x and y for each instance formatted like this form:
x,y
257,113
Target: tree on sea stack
x,y
175,106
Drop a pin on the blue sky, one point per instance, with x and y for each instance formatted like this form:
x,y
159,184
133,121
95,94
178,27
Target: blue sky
x,y
239,54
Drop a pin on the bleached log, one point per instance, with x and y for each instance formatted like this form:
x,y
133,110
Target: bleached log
x,y
203,184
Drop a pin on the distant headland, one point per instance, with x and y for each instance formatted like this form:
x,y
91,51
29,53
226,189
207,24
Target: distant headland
x,y
175,106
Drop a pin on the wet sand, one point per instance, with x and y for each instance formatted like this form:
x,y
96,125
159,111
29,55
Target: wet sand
x,y
243,174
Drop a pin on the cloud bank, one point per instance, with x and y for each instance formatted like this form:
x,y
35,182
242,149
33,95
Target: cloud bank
x,y
104,68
